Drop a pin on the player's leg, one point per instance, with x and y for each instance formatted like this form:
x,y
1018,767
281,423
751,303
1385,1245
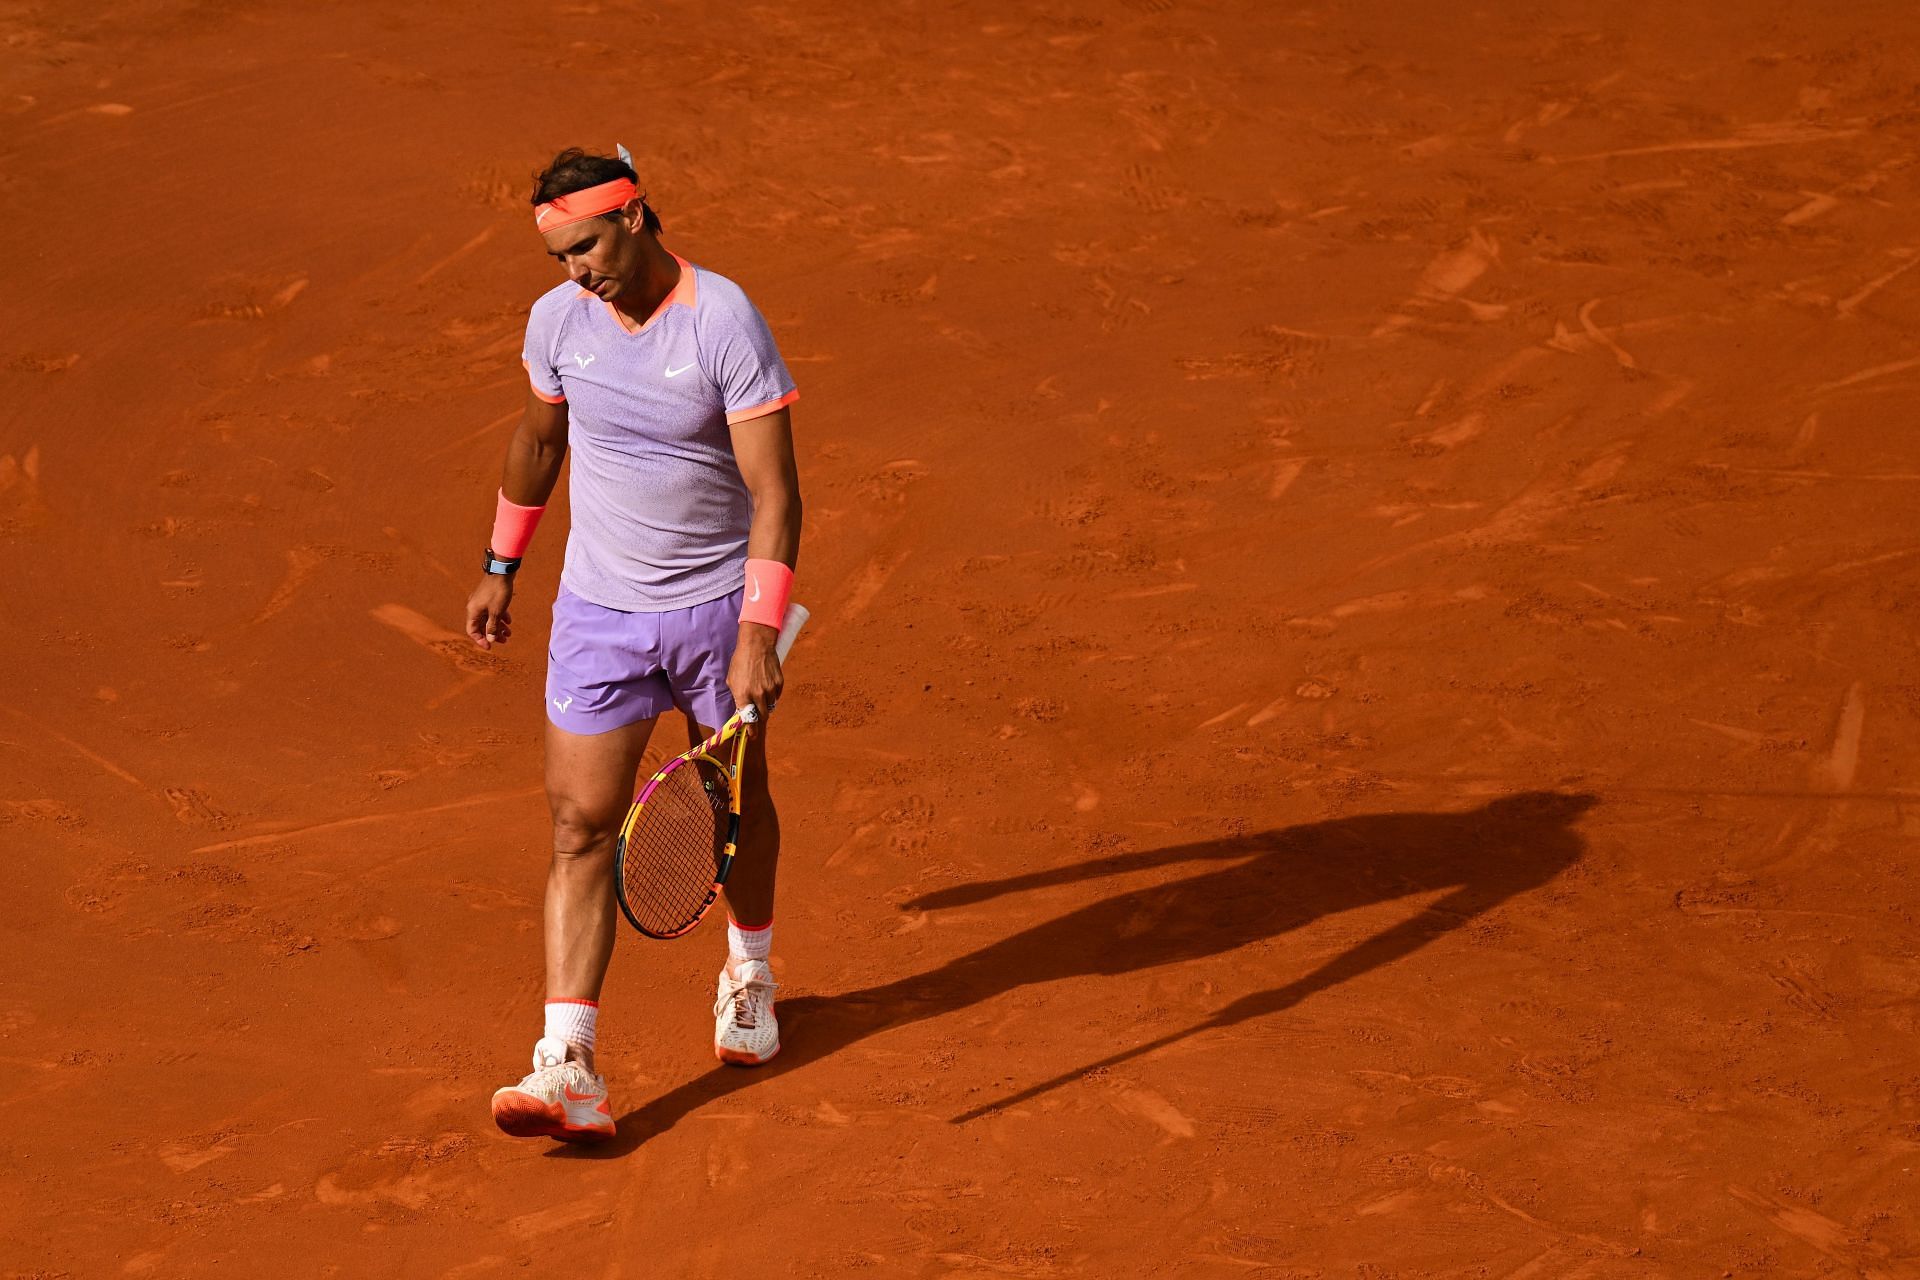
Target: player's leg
x,y
590,781
745,1031
697,646
605,689
589,786
604,692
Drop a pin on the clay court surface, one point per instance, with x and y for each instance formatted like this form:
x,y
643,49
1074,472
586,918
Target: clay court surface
x,y
1362,706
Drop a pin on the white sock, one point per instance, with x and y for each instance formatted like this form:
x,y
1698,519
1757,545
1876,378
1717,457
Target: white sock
x,y
573,1021
748,944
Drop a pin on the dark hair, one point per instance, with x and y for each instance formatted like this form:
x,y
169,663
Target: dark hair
x,y
576,170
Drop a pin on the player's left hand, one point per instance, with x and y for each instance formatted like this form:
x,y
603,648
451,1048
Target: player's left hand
x,y
754,675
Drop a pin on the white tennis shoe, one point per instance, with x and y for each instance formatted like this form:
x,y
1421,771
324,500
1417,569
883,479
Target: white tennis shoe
x,y
745,1032
558,1099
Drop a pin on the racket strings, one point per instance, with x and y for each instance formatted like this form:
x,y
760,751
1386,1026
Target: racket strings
x,y
673,852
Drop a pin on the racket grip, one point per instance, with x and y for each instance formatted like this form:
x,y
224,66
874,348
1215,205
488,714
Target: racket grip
x,y
796,618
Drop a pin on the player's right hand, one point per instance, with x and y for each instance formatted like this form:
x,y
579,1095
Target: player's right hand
x,y
488,622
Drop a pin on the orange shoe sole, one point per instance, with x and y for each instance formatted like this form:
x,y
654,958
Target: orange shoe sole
x,y
523,1116
734,1058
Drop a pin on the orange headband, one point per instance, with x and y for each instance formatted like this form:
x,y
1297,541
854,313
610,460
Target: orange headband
x,y
577,206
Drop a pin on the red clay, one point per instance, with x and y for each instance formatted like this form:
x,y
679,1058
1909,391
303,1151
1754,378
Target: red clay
x,y
1362,699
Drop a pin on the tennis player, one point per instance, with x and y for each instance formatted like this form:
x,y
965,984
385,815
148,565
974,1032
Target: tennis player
x,y
667,386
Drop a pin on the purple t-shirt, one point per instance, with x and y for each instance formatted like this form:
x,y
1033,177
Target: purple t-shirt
x,y
660,513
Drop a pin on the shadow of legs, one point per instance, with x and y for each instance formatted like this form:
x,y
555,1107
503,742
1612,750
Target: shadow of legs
x,y
1276,882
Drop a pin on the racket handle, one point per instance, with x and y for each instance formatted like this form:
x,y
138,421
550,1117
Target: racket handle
x,y
796,618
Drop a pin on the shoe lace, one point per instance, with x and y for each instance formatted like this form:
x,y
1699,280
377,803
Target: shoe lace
x,y
535,1075
749,999
567,1073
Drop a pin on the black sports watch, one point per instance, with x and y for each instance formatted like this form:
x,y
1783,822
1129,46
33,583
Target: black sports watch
x,y
502,567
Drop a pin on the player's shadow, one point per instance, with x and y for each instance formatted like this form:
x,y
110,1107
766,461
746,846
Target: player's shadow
x,y
1272,883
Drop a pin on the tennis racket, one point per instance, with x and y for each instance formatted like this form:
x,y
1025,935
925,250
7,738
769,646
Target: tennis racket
x,y
677,844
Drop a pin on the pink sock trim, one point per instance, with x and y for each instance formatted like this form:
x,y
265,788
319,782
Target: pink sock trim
x,y
749,928
769,584
591,1004
513,527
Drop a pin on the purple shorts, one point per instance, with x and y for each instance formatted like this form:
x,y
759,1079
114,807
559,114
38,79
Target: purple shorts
x,y
607,669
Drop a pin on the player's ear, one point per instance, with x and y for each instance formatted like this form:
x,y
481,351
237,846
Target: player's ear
x,y
634,216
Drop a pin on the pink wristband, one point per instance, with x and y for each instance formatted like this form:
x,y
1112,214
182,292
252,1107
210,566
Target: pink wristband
x,y
513,527
769,583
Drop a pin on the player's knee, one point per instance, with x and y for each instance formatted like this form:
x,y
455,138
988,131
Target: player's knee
x,y
580,833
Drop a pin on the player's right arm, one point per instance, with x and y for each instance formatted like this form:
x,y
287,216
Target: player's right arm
x,y
534,456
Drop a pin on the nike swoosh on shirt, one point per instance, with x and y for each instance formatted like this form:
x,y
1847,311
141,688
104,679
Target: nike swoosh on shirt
x,y
674,373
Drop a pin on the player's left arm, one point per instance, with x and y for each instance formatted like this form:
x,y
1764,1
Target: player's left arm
x,y
763,448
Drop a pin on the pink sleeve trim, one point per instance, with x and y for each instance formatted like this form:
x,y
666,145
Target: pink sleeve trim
x,y
538,393
762,410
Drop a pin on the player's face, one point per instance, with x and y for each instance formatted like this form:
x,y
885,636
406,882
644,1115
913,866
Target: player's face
x,y
601,255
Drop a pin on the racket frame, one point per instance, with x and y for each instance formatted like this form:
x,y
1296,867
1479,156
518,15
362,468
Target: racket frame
x,y
731,731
